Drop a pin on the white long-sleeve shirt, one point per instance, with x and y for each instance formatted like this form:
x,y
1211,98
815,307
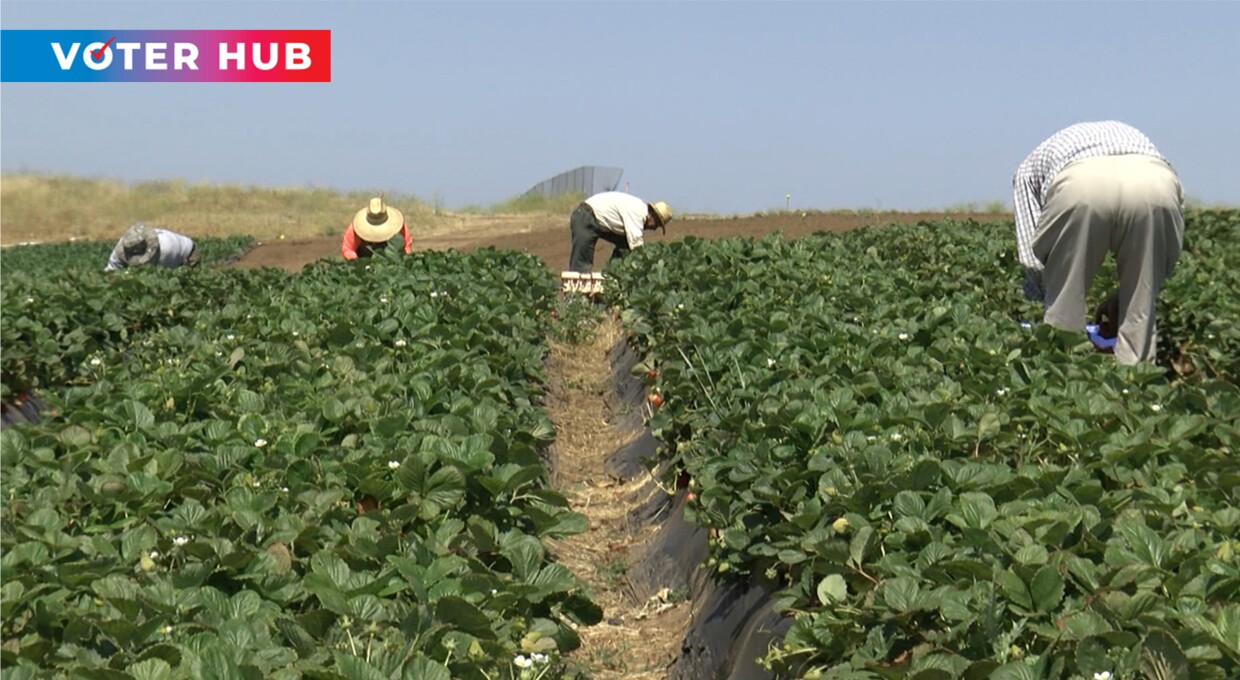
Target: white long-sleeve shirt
x,y
621,213
174,249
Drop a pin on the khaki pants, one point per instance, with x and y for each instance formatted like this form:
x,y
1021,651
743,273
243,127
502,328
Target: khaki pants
x,y
1127,205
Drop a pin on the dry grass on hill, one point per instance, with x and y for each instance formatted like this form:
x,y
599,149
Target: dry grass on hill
x,y
36,208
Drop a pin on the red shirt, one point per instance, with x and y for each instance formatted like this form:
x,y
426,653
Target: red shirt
x,y
351,244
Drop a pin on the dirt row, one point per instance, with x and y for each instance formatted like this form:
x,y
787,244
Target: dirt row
x,y
638,556
642,628
547,237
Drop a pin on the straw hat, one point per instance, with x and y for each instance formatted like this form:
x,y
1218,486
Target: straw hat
x,y
662,214
139,245
377,222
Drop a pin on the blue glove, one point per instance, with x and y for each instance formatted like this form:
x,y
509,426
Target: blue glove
x,y
1091,329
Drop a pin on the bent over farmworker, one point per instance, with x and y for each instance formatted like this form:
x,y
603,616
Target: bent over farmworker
x,y
616,217
371,229
1090,189
142,244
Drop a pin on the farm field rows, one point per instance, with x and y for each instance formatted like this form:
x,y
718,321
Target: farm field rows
x,y
547,237
933,490
335,474
93,255
341,473
59,311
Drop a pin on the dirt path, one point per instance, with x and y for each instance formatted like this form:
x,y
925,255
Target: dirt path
x,y
636,640
462,232
547,236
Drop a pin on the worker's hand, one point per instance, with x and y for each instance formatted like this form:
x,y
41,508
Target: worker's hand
x,y
1107,316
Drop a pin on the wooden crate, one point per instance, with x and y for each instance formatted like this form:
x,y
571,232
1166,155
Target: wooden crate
x,y
582,283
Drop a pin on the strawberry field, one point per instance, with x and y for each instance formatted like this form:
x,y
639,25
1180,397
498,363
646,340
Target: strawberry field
x,y
933,490
342,473
52,258
252,474
62,313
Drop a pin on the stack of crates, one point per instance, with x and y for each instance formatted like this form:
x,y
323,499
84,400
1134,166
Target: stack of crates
x,y
589,284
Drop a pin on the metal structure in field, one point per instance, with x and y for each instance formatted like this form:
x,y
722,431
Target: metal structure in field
x,y
587,179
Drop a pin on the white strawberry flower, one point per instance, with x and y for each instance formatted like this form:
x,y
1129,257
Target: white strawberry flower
x,y
1155,407
522,661
393,464
260,442
401,343
96,361
1104,675
903,336
180,541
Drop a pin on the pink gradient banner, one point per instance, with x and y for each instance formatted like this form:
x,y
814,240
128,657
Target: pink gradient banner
x,y
213,56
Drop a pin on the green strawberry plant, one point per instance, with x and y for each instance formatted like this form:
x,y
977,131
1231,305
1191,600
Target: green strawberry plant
x,y
336,474
63,316
52,259
931,489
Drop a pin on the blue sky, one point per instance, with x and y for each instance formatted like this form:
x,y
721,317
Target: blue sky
x,y
713,106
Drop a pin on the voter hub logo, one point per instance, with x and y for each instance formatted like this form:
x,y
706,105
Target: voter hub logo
x,y
165,56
